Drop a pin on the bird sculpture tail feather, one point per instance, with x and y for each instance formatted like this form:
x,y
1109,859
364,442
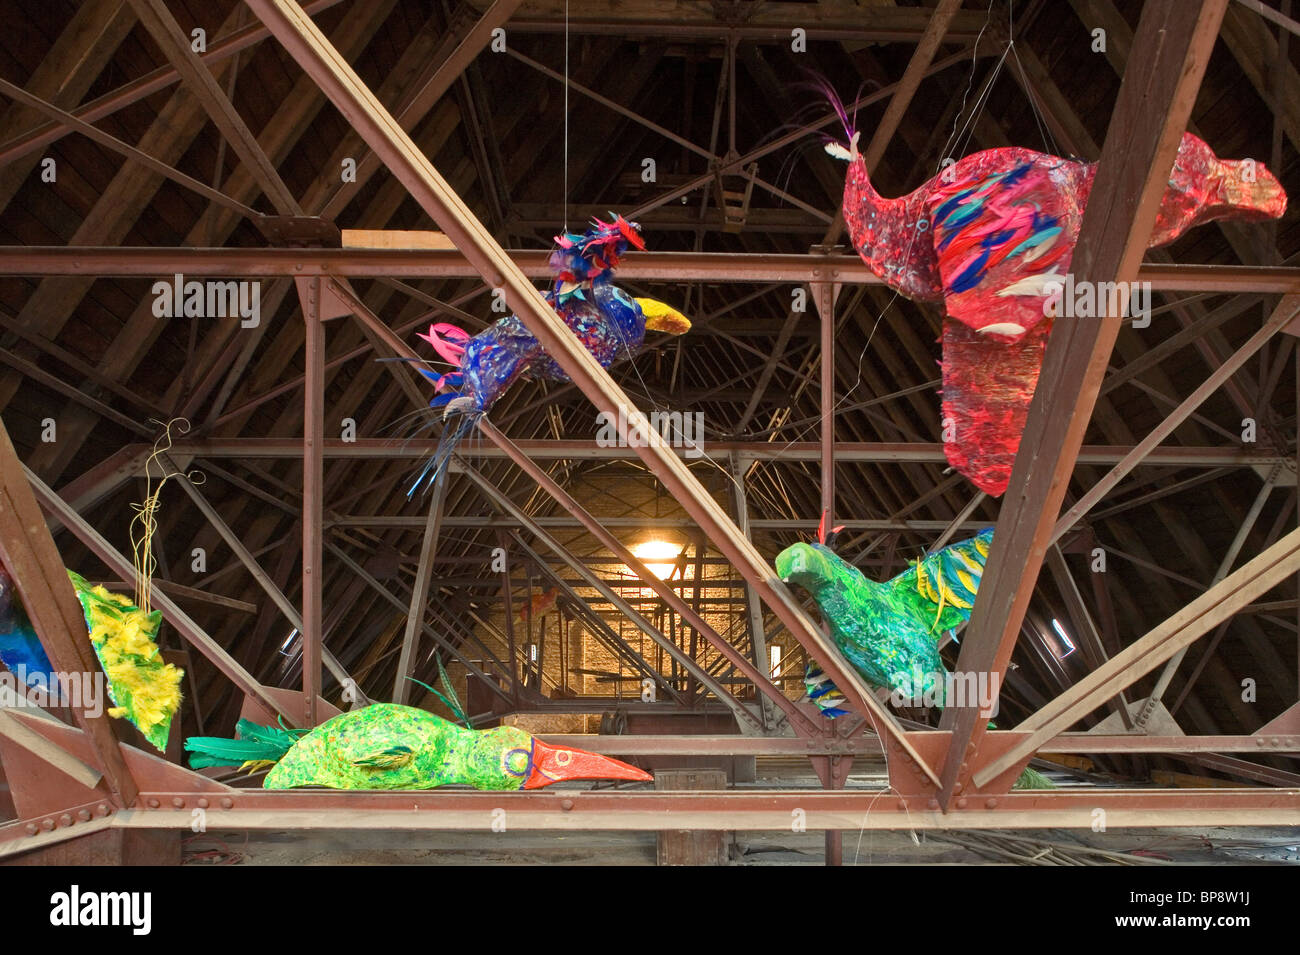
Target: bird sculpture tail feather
x,y
823,692
257,747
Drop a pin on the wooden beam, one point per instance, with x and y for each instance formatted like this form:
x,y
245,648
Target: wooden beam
x,y
175,45
1151,112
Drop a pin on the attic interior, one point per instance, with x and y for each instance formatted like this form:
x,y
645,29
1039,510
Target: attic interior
x,y
351,172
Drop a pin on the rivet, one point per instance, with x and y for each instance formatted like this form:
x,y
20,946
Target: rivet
x,y
102,809
83,815
961,803
1275,741
65,820
965,767
178,802
1260,741
932,803
154,804
203,803
902,805
990,803
566,804
47,824
32,829
227,802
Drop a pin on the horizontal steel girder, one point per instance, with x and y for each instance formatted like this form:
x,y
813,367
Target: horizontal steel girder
x,y
641,810
162,263
846,452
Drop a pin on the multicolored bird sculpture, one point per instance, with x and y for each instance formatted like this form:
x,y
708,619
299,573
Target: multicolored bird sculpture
x,y
144,689
888,632
991,238
389,746
611,324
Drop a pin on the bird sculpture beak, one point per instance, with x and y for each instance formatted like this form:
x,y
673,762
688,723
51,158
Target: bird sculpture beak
x,y
663,318
553,764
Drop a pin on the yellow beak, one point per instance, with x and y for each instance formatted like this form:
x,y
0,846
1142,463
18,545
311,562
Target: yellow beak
x,y
663,318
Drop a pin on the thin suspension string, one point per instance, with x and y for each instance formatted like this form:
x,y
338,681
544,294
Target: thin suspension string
x,y
564,200
955,135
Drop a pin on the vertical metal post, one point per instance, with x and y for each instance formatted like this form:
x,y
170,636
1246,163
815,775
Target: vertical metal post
x,y
313,484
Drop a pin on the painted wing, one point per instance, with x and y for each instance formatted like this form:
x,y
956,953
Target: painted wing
x,y
1002,228
941,587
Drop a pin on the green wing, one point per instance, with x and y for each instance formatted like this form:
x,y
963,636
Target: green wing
x,y
941,587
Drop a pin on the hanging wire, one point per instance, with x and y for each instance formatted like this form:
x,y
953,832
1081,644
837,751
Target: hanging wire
x,y
145,523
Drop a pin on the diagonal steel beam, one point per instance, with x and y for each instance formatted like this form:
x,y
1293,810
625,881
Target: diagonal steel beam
x,y
1214,606
1154,103
245,557
28,553
340,83
419,592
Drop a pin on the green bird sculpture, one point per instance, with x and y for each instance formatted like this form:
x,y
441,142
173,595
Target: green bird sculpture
x,y
389,746
888,631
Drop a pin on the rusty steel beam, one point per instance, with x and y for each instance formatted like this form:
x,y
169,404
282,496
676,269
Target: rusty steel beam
x,y
316,55
1151,112
1217,604
28,554
794,268
642,810
313,489
855,452
869,746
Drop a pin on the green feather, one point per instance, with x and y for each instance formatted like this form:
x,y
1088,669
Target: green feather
x,y
256,743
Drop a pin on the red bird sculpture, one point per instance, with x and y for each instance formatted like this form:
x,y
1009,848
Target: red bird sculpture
x,y
991,238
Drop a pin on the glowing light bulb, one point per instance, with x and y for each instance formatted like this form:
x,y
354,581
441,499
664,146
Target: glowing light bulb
x,y
653,552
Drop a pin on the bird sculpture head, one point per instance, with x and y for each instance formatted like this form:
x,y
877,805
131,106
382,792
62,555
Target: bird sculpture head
x,y
507,758
813,565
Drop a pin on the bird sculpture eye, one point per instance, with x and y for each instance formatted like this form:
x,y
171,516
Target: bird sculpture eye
x,y
563,757
516,762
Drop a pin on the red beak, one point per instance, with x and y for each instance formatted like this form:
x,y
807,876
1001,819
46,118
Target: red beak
x,y
552,764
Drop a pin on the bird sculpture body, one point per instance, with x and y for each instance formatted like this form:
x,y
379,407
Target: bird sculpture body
x,y
390,746
889,631
143,688
991,238
611,325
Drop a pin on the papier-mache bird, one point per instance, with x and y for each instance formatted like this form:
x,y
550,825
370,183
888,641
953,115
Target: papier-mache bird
x,y
889,632
991,238
144,688
390,746
610,324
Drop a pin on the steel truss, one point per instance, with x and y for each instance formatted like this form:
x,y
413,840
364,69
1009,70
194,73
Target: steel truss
x,y
73,780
